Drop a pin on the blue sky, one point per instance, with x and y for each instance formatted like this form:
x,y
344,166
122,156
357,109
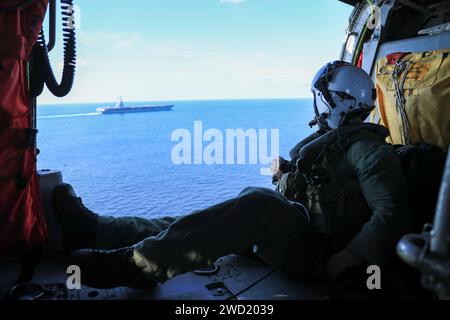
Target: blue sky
x,y
148,50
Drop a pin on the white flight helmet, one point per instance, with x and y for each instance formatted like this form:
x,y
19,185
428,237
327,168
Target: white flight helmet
x,y
342,92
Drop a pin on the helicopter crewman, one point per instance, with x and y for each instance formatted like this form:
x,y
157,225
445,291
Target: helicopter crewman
x,y
340,202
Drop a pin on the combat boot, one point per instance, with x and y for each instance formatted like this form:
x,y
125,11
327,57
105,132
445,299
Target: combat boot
x,y
106,269
78,223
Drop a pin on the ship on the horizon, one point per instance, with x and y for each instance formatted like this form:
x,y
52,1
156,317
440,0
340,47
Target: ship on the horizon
x,y
120,108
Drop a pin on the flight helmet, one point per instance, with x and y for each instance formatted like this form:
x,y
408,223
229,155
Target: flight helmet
x,y
342,92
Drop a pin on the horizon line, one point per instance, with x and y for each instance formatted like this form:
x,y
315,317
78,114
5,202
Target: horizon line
x,y
175,100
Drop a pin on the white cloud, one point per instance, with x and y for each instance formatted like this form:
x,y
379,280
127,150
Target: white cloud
x,y
261,55
142,70
232,1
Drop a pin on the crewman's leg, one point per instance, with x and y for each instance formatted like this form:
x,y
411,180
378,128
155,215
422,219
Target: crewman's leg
x,y
257,217
82,228
113,233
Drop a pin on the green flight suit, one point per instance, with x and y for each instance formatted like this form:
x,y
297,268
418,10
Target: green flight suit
x,y
367,201
373,214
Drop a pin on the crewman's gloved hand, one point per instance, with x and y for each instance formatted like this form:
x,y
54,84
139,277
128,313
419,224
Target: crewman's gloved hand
x,y
278,167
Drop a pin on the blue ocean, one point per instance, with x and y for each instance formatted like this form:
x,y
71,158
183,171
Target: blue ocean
x,y
121,164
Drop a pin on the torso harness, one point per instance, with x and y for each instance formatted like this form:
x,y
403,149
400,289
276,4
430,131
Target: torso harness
x,y
321,178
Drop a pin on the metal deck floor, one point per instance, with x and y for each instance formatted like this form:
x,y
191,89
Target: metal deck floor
x,y
235,273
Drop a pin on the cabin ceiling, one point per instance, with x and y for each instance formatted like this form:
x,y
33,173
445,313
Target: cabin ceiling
x,y
350,2
418,2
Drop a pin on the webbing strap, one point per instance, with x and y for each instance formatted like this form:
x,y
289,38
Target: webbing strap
x,y
12,137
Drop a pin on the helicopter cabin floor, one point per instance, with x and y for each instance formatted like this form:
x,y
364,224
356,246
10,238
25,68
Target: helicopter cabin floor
x,y
234,274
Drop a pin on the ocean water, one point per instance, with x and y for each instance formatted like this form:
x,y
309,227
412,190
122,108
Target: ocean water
x,y
122,165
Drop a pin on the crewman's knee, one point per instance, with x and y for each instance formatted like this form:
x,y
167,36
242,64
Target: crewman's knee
x,y
266,204
267,197
259,194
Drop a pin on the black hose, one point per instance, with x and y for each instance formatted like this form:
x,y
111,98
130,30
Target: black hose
x,y
68,74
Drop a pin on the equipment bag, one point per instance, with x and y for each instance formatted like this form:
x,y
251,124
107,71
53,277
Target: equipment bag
x,y
22,224
414,97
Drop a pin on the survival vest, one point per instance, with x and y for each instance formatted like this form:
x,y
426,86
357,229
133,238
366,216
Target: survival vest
x,y
22,224
313,179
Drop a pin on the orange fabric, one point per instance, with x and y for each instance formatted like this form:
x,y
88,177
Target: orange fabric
x,y
22,222
382,110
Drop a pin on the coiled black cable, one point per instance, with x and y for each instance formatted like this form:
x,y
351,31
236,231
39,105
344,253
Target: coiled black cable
x,y
68,74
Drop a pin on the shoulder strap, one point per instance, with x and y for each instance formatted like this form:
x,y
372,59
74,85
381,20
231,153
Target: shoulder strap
x,y
295,151
342,137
